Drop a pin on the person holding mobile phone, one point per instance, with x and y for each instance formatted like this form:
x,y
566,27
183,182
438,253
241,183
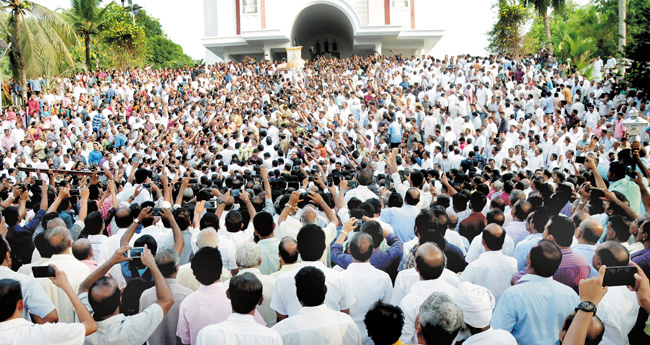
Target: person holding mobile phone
x,y
15,329
36,301
619,308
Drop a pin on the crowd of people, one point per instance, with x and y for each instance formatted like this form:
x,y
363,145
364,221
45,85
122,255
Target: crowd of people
x,y
369,200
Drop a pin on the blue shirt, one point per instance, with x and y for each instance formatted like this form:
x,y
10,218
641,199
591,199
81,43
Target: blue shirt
x,y
523,248
402,220
533,311
395,132
379,259
587,251
120,140
95,157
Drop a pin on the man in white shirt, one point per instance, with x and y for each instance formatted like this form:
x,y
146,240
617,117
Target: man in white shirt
x,y
315,323
369,284
618,309
60,241
362,192
245,294
14,329
36,301
494,216
477,304
249,259
311,246
430,263
492,269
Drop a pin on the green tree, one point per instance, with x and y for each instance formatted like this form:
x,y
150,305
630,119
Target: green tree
x,y
86,17
167,54
40,40
506,36
124,38
542,7
571,46
637,49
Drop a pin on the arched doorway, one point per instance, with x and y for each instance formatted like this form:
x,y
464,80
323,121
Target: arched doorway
x,y
321,21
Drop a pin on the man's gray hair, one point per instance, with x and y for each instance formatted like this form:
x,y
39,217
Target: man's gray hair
x,y
248,255
440,311
167,256
309,215
516,195
208,237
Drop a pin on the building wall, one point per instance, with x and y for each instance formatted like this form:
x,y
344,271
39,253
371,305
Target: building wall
x,y
220,15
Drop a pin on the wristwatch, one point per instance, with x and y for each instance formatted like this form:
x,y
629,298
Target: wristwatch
x,y
587,306
137,221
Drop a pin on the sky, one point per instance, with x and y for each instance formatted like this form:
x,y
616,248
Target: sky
x,y
466,25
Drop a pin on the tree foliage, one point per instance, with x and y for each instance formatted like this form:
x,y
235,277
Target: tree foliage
x,y
507,36
87,18
637,49
40,40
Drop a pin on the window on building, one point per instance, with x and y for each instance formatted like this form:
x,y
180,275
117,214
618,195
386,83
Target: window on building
x,y
400,3
249,6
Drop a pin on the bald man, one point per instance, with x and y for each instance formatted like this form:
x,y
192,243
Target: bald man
x,y
594,333
82,250
288,252
60,241
368,283
619,308
587,235
492,270
430,261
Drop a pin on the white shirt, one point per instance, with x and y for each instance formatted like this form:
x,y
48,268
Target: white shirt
x,y
20,331
411,304
318,326
362,193
339,294
238,329
492,270
76,272
37,302
491,337
476,247
407,278
369,285
618,311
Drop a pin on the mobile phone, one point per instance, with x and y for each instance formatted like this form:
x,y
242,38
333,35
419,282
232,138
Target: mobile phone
x,y
193,180
146,185
581,159
43,271
387,183
358,223
619,276
135,252
296,168
352,184
235,192
156,211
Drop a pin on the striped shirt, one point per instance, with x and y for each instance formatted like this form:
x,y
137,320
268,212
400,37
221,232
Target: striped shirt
x,y
572,268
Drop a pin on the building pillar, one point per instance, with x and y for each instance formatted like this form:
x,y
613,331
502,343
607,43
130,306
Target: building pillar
x,y
378,48
226,56
267,54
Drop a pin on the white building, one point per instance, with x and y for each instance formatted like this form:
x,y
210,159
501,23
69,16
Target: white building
x,y
264,28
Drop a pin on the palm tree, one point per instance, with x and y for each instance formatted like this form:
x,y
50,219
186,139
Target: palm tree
x,y
541,7
39,37
86,17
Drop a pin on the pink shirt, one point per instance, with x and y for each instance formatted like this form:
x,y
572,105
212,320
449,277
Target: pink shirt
x,y
206,306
